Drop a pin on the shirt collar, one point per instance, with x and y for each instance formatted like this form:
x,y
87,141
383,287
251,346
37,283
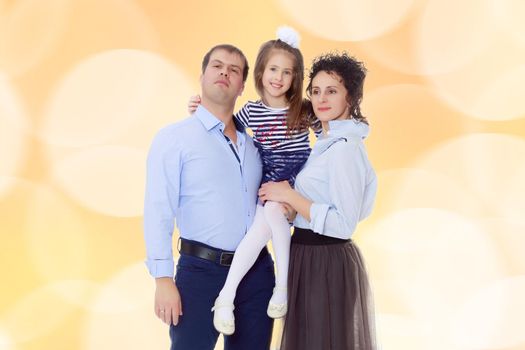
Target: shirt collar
x,y
209,121
351,127
340,129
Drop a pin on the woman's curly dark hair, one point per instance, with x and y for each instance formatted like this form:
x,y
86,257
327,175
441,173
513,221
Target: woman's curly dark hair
x,y
352,73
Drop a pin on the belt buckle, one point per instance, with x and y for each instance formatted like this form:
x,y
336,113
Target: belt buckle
x,y
225,259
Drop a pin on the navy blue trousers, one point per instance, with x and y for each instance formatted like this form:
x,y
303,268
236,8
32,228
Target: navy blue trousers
x,y
199,282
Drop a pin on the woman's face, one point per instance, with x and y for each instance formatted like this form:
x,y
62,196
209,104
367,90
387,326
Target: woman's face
x,y
328,96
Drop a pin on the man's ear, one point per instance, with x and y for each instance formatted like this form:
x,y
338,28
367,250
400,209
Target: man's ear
x,y
242,89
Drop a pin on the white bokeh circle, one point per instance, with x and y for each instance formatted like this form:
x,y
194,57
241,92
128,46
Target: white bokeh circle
x,y
56,236
106,179
484,163
457,213
400,331
512,204
509,14
123,22
482,74
128,290
502,99
420,257
347,20
30,31
124,306
510,240
449,34
484,90
107,95
419,188
46,302
409,119
437,37
493,317
6,343
13,133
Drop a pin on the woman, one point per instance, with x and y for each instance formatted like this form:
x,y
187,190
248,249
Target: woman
x,y
329,298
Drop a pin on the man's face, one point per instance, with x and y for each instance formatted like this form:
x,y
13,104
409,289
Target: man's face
x,y
222,79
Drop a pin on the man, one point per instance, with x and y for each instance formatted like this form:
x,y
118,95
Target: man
x,y
205,172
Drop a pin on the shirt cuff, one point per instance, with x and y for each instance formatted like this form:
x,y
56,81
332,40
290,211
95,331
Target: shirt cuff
x,y
318,213
160,268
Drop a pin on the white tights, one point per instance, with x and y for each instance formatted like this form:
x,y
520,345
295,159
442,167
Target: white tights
x,y
269,222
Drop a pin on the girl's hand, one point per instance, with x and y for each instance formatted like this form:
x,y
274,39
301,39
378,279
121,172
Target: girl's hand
x,y
289,212
193,103
275,191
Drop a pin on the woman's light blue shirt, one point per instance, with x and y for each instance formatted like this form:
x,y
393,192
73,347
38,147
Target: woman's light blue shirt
x,y
338,178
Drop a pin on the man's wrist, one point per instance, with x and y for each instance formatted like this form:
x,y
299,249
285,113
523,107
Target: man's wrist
x,y
163,280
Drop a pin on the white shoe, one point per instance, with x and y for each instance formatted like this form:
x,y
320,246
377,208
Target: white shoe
x,y
277,310
226,327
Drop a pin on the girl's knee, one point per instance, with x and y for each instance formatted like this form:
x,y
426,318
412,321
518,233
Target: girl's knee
x,y
273,208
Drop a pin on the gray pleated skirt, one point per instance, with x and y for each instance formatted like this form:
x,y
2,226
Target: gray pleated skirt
x,y
329,299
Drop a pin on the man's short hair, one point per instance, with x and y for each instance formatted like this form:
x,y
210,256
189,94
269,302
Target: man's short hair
x,y
230,49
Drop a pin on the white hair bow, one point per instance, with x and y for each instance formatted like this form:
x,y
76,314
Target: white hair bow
x,y
289,36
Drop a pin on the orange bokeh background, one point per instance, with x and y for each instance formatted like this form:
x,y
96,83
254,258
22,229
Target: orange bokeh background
x,y
85,84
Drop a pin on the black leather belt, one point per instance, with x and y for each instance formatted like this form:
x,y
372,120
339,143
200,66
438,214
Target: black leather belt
x,y
218,256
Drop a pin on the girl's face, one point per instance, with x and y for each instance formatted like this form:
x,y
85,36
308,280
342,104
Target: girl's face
x,y
328,96
278,75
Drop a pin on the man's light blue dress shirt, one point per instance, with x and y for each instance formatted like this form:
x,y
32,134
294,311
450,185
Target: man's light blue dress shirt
x,y
193,176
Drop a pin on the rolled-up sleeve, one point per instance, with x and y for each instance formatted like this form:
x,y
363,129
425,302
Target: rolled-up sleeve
x,y
318,213
161,201
346,183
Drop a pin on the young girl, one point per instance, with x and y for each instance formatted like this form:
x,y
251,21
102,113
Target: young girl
x,y
330,300
280,122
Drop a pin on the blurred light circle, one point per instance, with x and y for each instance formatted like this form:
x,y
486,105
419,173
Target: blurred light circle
x,y
492,317
107,95
347,20
483,163
30,31
124,306
106,179
47,302
443,47
56,236
5,341
13,133
409,119
509,15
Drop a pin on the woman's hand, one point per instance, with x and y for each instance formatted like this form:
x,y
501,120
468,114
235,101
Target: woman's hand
x,y
282,192
275,191
193,103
